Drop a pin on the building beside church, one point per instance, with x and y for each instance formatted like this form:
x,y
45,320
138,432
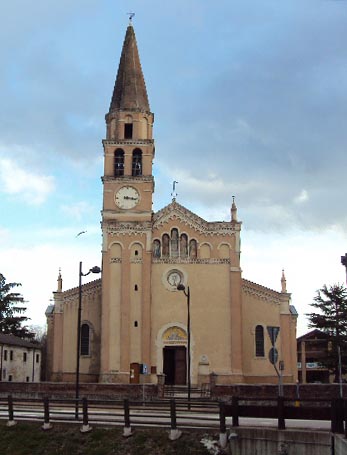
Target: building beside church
x,y
20,360
134,319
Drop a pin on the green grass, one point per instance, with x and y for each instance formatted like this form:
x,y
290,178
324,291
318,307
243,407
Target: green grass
x,y
30,439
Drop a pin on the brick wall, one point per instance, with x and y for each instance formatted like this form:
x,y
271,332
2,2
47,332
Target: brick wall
x,y
101,391
315,391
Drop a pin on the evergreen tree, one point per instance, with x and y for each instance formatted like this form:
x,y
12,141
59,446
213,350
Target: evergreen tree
x,y
12,311
332,319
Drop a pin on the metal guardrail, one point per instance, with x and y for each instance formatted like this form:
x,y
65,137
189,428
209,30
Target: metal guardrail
x,y
172,413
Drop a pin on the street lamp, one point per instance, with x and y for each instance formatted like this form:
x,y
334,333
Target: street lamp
x,y
181,287
94,269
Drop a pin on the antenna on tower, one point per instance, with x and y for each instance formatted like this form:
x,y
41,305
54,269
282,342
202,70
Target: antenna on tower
x,y
131,15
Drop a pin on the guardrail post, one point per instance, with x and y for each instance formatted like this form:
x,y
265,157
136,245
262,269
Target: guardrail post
x,y
223,440
127,428
280,413
174,432
337,416
235,410
11,422
46,423
85,427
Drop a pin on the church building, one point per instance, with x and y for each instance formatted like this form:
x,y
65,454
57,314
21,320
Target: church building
x,y
170,280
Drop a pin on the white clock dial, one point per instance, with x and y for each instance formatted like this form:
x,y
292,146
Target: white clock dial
x,y
127,197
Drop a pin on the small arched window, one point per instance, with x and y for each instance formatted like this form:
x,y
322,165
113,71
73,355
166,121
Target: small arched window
x,y
137,163
85,332
119,163
259,341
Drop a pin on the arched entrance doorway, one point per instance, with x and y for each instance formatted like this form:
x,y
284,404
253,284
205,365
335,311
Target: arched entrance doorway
x,y
175,356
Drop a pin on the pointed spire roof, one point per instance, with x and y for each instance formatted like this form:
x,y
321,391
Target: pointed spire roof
x,y
130,89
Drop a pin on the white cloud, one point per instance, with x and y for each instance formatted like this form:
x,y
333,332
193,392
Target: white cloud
x,y
77,210
302,197
33,188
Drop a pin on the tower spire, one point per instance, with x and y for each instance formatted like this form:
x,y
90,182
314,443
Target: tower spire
x,y
283,282
233,210
130,89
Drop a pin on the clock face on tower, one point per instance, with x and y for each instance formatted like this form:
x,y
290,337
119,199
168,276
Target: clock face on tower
x,y
127,197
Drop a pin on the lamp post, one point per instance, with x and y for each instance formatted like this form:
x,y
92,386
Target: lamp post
x,y
181,287
344,262
94,269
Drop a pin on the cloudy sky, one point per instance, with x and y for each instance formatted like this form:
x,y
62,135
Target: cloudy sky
x,y
250,99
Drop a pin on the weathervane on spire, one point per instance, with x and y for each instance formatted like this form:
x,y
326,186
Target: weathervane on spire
x,y
174,194
131,15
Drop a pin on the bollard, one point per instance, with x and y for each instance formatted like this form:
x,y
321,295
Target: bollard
x,y
235,410
280,413
174,432
85,427
46,424
223,440
11,422
345,416
127,427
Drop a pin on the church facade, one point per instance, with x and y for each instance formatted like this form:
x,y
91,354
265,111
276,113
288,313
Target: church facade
x,y
156,267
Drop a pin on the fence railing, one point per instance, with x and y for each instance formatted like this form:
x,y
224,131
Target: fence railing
x,y
173,414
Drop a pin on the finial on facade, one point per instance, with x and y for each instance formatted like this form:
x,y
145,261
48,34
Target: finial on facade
x,y
131,15
233,210
174,193
283,282
60,281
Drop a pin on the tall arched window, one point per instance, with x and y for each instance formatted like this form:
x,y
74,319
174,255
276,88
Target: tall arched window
x,y
137,163
85,339
184,245
166,246
156,248
193,249
118,163
259,341
174,243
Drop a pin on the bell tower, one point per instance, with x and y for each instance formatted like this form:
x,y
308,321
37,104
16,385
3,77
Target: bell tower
x,y
127,223
128,147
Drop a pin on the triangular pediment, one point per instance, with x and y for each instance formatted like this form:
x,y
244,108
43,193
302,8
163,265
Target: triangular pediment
x,y
176,211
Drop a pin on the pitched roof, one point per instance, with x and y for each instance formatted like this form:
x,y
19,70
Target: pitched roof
x,y
174,210
130,89
313,334
12,340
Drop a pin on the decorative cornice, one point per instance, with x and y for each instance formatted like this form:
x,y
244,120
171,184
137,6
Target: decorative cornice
x,y
175,211
128,179
88,289
122,142
136,261
261,292
189,261
127,228
115,260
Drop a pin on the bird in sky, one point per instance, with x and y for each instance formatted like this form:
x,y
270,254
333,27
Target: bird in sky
x,y
80,233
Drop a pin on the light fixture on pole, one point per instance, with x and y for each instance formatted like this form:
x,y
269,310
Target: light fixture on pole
x,y
181,287
94,269
344,262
